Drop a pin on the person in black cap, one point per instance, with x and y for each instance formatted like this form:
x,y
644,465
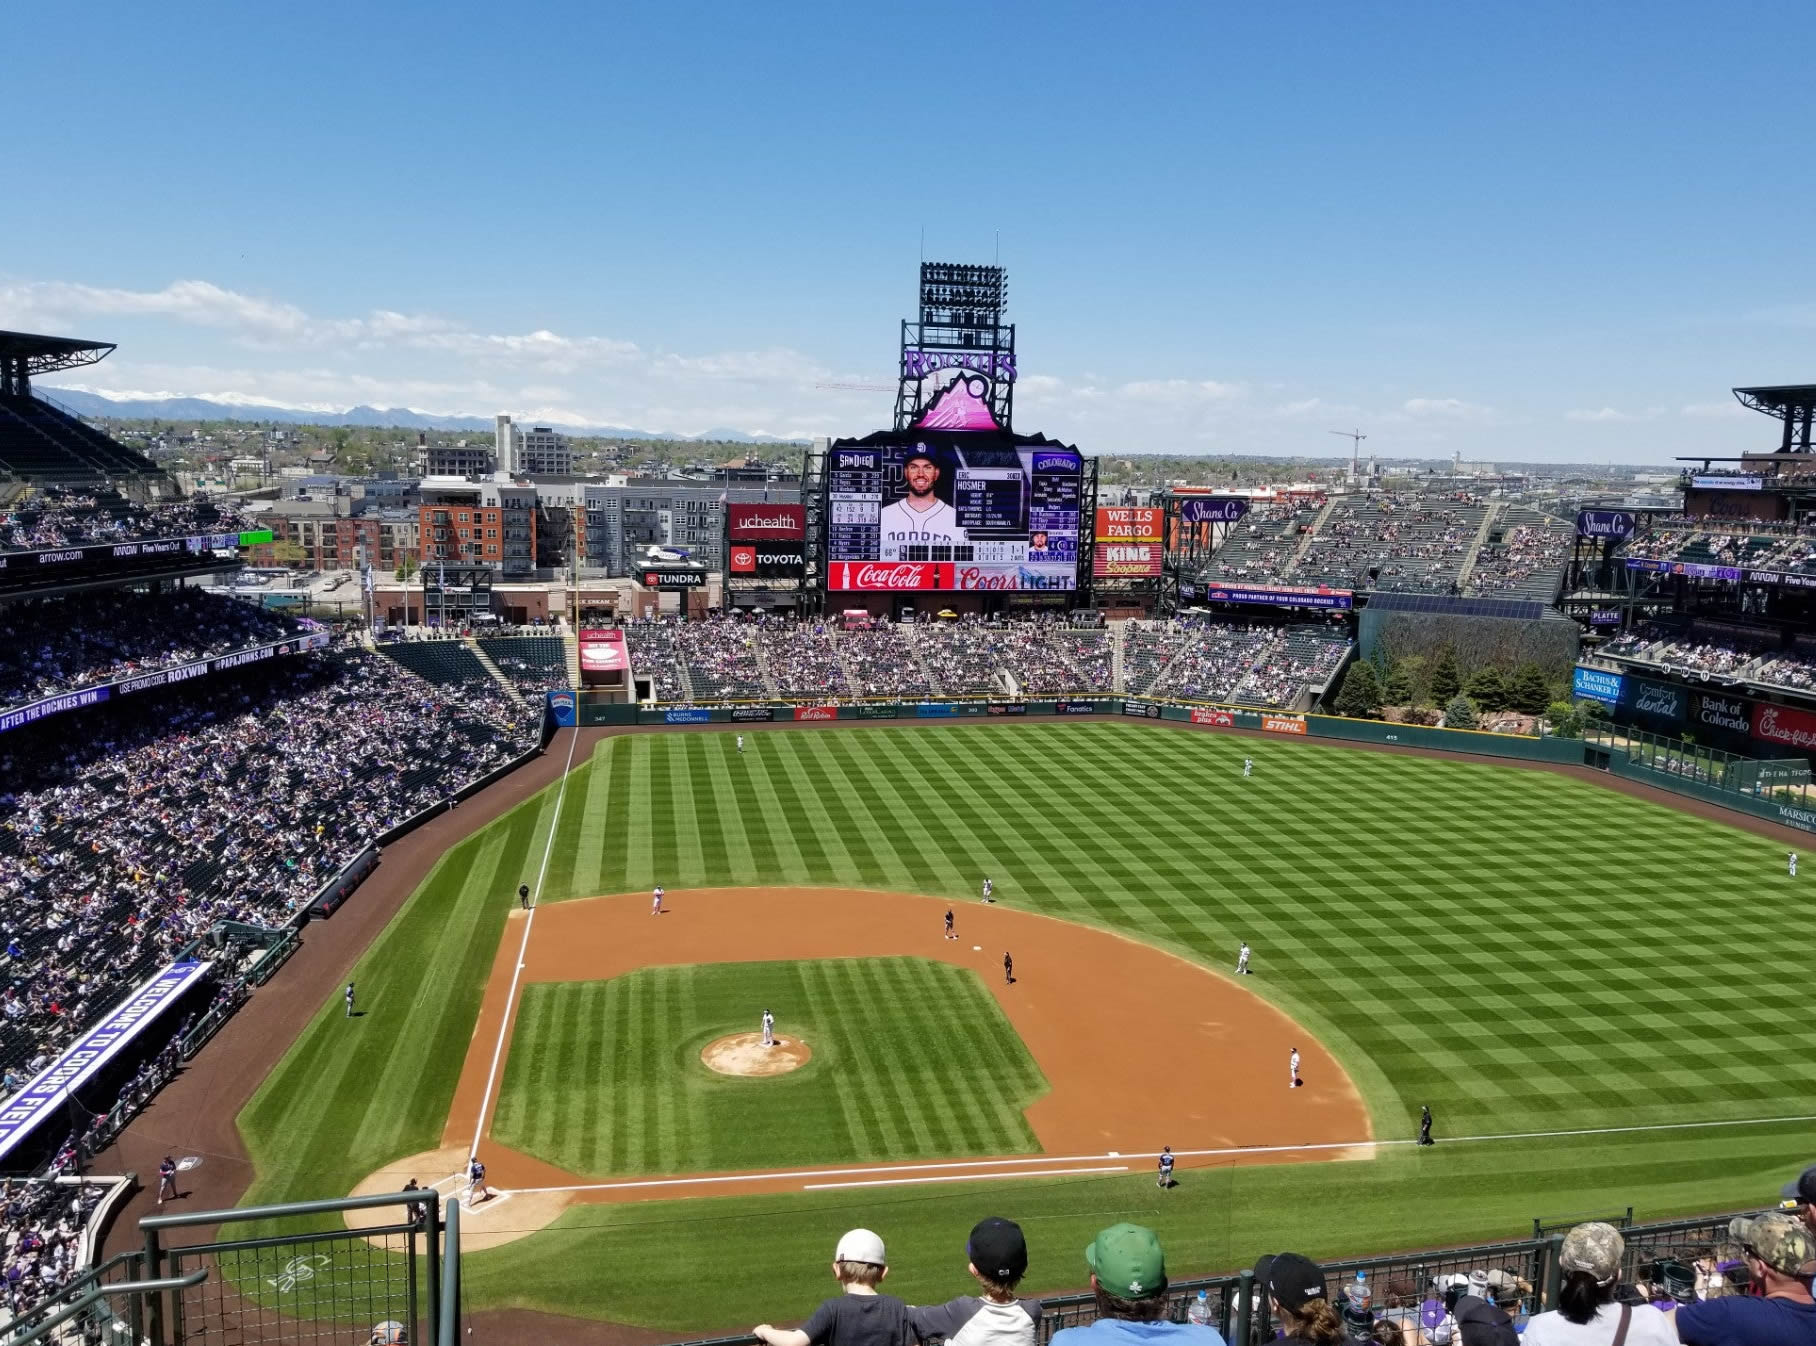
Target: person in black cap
x,y
1425,1126
523,896
998,1258
1300,1303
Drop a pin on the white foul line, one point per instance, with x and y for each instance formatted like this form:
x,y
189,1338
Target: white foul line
x,y
510,999
1039,1172
964,1177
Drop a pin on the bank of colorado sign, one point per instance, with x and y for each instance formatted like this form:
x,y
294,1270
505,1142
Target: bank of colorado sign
x,y
766,523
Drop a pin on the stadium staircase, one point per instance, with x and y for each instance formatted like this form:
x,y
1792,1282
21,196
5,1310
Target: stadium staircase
x,y
845,665
762,657
911,637
1305,541
1116,630
485,662
572,643
1495,510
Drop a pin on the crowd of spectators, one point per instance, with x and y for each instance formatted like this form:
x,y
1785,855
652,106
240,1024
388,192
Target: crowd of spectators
x,y
801,657
1526,560
883,663
230,798
721,659
1212,660
51,517
655,650
1262,546
41,1226
1705,655
49,646
1293,661
1400,541
1750,1286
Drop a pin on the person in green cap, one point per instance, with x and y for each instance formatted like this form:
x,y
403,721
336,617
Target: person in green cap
x,y
1129,1277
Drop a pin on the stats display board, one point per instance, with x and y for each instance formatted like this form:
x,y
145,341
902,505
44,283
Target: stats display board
x,y
937,512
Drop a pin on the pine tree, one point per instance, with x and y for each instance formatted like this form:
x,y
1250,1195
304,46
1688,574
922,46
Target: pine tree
x,y
1396,688
1446,679
1487,688
1360,697
1460,713
1528,691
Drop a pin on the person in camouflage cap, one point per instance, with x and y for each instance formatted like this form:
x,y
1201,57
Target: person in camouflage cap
x,y
1781,1254
1588,1310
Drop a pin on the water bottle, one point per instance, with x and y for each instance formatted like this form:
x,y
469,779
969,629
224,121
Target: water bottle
x,y
1358,1293
1199,1310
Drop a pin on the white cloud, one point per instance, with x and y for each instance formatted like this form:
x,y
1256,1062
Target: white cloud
x,y
1446,408
1600,416
1729,410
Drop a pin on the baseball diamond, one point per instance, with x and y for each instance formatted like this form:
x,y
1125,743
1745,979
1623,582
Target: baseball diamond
x,y
1528,954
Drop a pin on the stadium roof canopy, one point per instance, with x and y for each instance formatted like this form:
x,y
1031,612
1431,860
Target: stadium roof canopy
x,y
48,354
1780,400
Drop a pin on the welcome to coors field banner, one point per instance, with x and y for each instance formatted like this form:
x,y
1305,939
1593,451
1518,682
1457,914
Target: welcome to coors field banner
x,y
1128,543
90,1053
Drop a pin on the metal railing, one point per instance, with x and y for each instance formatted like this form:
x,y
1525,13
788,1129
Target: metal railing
x,y
297,1278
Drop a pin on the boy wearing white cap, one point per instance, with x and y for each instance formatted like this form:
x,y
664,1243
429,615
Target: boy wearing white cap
x,y
859,1317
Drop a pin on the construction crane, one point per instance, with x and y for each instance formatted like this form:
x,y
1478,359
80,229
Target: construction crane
x,y
1355,438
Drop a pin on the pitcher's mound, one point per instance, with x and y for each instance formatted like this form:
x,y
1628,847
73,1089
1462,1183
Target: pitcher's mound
x,y
745,1054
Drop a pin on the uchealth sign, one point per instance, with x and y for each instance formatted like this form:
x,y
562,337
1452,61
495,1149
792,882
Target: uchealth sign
x,y
766,523
1781,724
1283,724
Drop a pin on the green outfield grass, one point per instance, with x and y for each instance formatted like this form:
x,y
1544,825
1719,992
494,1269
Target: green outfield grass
x,y
605,1077
1521,951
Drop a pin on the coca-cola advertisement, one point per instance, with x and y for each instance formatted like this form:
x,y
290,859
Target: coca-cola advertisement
x,y
889,576
1780,724
766,523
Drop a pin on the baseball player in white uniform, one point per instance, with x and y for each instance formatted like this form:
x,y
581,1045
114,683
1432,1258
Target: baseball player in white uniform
x,y
769,1029
1242,960
655,906
740,743
1293,1064
1248,767
1793,864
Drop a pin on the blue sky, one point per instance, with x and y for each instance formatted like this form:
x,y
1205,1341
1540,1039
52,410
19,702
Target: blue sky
x,y
1541,231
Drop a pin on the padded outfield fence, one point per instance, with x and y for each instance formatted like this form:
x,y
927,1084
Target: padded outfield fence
x,y
1658,1264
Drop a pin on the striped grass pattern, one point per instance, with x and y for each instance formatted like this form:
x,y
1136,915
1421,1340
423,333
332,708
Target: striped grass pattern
x,y
911,1059
1518,950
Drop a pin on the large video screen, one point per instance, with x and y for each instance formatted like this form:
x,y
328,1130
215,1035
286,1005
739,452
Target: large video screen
x,y
937,513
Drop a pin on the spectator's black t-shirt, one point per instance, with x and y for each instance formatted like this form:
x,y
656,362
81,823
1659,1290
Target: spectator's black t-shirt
x,y
861,1320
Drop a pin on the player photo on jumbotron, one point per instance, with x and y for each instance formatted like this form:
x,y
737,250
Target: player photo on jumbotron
x,y
1005,514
